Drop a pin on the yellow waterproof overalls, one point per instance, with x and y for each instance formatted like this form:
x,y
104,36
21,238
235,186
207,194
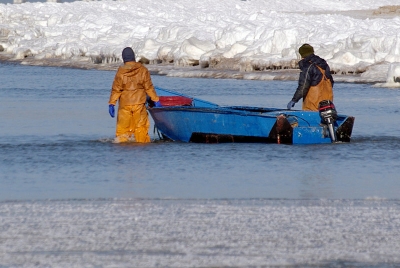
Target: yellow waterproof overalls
x,y
321,91
132,84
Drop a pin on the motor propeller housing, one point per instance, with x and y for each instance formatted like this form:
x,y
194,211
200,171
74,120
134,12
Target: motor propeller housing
x,y
328,114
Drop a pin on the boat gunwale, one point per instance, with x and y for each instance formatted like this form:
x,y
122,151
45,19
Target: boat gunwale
x,y
215,110
242,112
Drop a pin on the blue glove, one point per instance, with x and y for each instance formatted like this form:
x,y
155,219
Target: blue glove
x,y
157,104
290,104
111,110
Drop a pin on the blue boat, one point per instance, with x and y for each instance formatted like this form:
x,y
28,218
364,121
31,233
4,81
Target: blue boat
x,y
186,119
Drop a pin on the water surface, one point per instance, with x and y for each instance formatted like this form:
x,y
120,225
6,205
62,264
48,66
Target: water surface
x,y
69,195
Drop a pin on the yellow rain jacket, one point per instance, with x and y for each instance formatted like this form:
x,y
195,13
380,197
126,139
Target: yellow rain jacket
x,y
132,84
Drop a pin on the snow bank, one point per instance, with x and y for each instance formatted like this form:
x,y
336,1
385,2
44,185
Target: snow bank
x,y
244,36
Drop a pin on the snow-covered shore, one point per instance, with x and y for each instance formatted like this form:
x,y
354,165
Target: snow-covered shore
x,y
225,39
377,75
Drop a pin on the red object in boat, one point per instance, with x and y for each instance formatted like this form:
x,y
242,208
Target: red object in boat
x,y
175,101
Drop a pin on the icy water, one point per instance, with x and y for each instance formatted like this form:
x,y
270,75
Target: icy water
x,y
69,197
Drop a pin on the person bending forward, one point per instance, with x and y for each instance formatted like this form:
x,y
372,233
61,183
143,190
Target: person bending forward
x,y
315,80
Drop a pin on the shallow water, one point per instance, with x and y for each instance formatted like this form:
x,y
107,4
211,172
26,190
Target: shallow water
x,y
69,197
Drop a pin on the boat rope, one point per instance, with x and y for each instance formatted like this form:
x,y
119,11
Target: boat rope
x,y
297,117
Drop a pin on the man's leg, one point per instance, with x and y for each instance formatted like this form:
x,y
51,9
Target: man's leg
x,y
141,123
124,118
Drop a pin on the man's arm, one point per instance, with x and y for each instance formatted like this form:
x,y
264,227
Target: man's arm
x,y
303,86
116,89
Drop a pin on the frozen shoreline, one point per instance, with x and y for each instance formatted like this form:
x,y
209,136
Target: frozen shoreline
x,y
375,75
234,40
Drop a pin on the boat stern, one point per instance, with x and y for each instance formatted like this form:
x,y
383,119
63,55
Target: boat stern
x,y
300,127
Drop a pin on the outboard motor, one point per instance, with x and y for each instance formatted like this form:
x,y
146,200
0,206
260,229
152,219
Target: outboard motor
x,y
328,114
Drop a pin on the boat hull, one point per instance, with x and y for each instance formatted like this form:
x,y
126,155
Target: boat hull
x,y
206,122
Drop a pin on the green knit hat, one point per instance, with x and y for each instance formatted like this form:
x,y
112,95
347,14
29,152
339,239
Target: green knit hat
x,y
306,50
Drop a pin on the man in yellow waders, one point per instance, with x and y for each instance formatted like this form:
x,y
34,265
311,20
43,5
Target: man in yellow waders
x,y
315,80
132,84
